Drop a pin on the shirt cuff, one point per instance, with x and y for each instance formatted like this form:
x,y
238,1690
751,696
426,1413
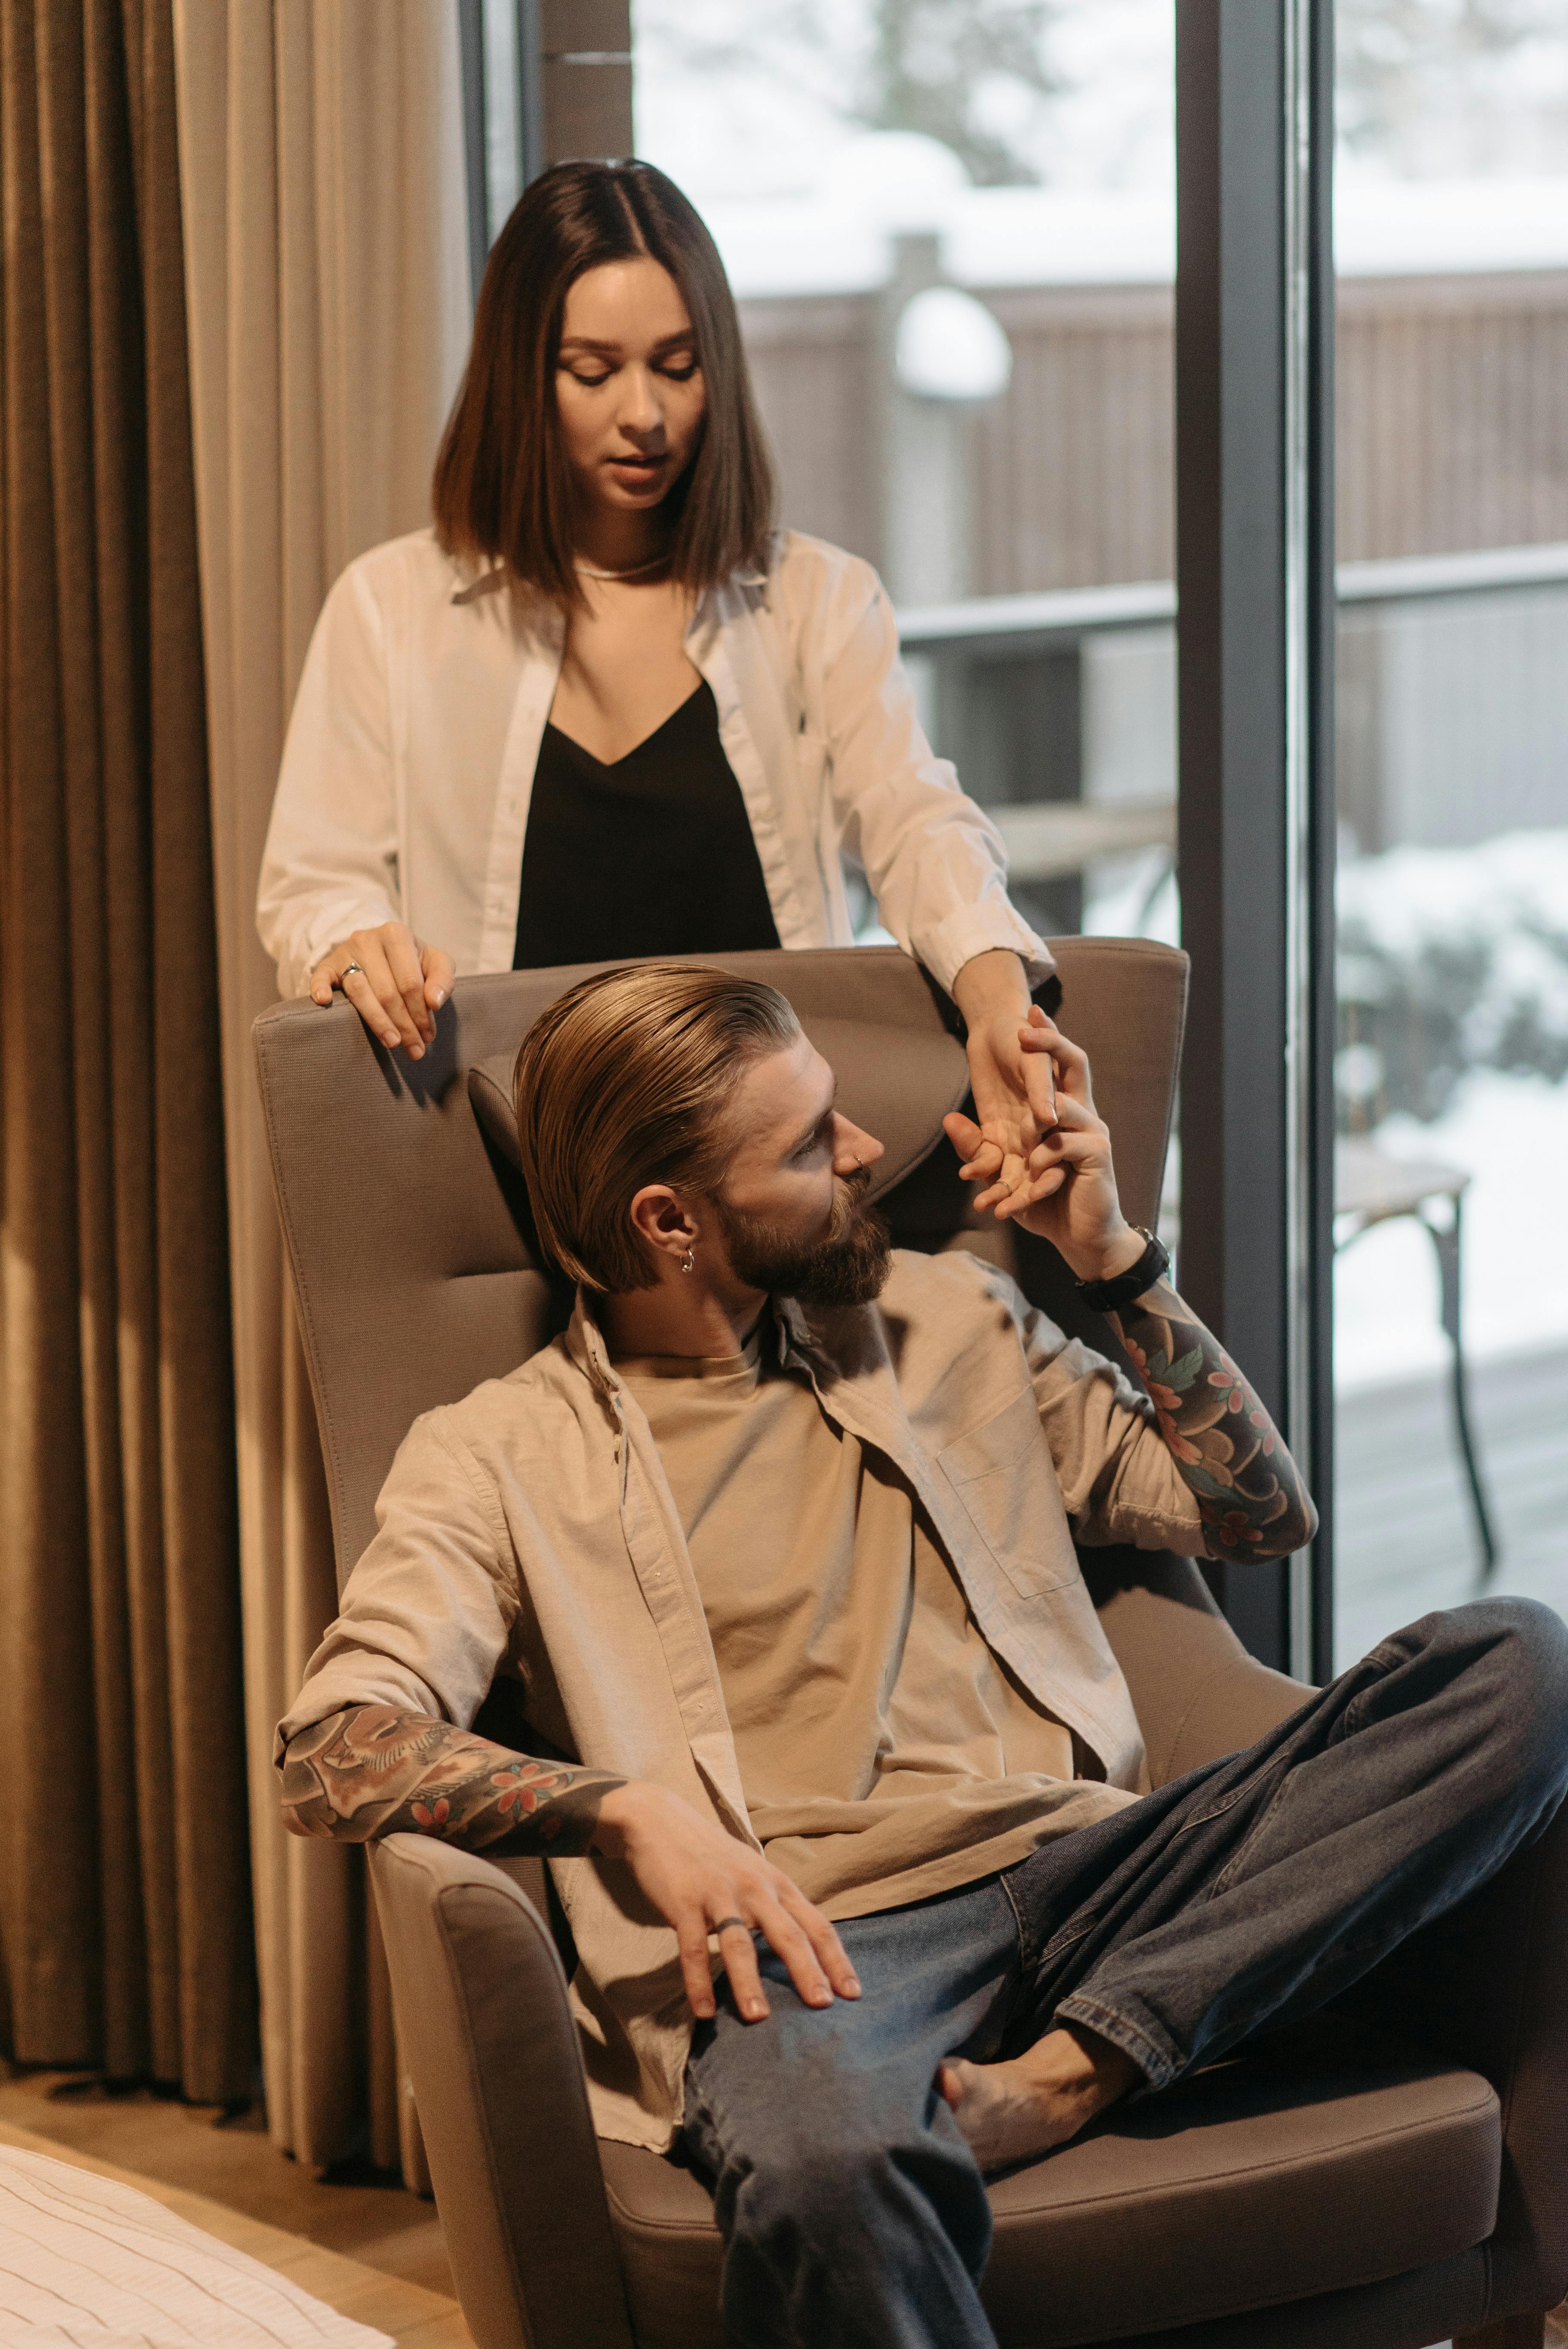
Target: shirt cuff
x,y
981,929
300,957
349,1680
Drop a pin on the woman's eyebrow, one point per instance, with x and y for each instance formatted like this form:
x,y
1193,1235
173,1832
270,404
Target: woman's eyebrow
x,y
617,350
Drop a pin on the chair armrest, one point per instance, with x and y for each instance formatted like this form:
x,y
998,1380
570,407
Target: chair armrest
x,y
487,2031
1483,1987
1196,1691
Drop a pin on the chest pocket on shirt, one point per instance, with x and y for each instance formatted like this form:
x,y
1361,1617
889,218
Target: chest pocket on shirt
x,y
1000,1472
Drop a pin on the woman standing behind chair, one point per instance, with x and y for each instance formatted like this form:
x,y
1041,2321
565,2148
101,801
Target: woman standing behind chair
x,y
602,708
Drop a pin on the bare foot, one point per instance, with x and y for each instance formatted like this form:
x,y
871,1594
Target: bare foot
x,y
1012,2112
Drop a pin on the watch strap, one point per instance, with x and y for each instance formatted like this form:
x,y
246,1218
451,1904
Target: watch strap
x,y
1110,1296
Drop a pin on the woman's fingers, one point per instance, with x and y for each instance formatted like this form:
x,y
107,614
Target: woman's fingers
x,y
439,971
1041,1036
377,997
1037,1069
395,985
374,1003
357,990
408,977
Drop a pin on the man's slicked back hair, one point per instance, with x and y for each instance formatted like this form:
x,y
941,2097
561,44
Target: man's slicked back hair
x,y
627,1080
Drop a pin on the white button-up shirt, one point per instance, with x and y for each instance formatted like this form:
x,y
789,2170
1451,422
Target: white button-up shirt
x,y
410,761
529,1531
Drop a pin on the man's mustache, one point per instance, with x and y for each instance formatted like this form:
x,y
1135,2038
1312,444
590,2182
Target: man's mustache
x,y
848,1200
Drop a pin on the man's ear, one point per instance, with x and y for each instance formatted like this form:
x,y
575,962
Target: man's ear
x,y
662,1221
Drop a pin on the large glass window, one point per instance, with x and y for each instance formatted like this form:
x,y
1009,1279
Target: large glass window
x,y
1452,1062
950,226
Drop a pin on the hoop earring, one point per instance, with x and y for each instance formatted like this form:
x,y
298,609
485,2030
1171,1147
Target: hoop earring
x,y
689,1261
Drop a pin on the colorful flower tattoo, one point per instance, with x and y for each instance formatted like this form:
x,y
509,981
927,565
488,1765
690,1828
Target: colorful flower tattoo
x,y
372,1770
1250,1495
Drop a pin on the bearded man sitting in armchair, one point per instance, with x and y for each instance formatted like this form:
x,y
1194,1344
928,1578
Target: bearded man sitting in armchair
x,y
840,1787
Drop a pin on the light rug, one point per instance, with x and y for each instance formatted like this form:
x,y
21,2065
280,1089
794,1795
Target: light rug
x,y
89,2263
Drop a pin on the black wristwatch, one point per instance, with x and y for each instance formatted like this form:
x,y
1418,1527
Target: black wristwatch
x,y
1110,1296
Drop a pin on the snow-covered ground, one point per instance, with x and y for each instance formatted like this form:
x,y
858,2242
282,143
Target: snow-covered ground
x,y
1502,907
1508,1132
1511,1133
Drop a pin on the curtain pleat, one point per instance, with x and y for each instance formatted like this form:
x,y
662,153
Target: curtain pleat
x,y
125,1920
327,288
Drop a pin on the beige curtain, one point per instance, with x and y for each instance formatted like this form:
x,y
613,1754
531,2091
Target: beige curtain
x,y
326,275
125,1928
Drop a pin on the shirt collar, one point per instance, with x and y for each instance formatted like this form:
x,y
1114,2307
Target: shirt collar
x,y
585,1346
785,1331
487,583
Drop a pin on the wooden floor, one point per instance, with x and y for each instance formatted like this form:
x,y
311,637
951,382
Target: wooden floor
x,y
1405,1539
359,2241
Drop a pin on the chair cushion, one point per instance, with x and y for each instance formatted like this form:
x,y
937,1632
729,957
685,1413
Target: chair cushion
x,y
1330,2155
897,1083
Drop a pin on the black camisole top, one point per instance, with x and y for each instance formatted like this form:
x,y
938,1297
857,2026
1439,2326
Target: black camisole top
x,y
651,855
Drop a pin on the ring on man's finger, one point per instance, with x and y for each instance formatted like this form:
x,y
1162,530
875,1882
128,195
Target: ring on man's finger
x,y
726,1924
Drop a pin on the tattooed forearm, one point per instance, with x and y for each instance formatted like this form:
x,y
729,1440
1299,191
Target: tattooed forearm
x,y
1250,1495
372,1771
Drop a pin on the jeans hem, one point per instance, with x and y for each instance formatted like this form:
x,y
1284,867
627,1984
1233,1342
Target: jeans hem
x,y
1157,2064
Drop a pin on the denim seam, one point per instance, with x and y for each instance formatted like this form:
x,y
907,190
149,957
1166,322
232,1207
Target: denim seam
x,y
1227,1875
1072,1931
1387,1657
1024,1965
1158,2066
1205,1817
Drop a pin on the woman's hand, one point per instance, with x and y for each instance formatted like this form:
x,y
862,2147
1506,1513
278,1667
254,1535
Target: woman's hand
x,y
395,984
699,1879
1015,1099
1067,1192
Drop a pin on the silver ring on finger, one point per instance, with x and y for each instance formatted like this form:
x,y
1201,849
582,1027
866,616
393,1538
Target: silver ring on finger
x,y
351,970
728,1924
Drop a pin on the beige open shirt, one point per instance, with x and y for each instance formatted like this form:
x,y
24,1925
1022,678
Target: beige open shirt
x,y
530,1530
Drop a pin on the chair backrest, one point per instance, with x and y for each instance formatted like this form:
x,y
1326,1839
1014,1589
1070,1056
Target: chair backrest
x,y
407,1232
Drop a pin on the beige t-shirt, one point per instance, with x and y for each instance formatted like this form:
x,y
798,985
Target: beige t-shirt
x,y
885,1753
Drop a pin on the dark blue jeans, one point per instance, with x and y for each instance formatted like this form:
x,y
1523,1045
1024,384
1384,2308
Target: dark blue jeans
x,y
1247,1893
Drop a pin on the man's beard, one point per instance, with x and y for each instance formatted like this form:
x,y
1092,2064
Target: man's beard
x,y
848,1266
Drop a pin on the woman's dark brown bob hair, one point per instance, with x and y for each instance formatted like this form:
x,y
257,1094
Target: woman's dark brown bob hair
x,y
502,491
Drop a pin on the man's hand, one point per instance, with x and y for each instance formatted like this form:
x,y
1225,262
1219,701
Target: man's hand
x,y
698,1878
396,984
1013,1090
1226,1449
1066,1190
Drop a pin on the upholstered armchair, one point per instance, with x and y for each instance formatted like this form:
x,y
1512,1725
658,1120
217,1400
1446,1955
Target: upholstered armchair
x,y
1392,2174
